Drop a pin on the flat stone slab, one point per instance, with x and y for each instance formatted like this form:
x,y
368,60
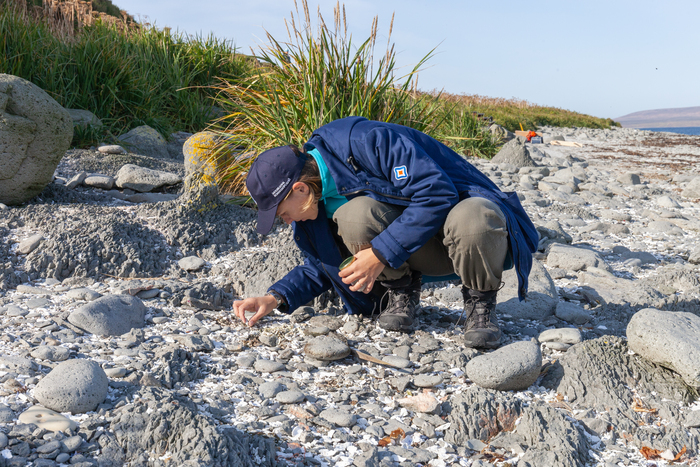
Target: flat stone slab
x,y
191,263
144,180
75,386
327,348
670,339
513,367
541,300
30,244
112,149
111,315
47,419
574,259
83,293
572,313
30,290
562,335
268,366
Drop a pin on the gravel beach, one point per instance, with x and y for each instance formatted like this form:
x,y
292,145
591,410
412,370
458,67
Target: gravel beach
x,y
117,316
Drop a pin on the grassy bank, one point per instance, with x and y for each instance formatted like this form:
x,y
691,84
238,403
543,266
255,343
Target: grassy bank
x,y
126,76
130,75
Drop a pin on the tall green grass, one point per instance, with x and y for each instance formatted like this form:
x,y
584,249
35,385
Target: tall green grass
x,y
126,77
309,80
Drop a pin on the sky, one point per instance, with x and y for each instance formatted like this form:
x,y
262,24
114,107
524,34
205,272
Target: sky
x,y
602,58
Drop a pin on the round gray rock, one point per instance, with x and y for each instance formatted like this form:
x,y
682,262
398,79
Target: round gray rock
x,y
111,315
146,141
670,339
35,134
510,368
327,348
270,389
427,381
50,352
75,386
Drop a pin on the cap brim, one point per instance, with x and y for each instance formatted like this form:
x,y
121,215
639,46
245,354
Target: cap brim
x,y
265,220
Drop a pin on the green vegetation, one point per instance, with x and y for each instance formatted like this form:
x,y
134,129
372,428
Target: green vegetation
x,y
127,77
511,113
307,82
130,75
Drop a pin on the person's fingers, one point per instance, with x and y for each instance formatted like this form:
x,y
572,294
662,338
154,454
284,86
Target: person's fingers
x,y
259,314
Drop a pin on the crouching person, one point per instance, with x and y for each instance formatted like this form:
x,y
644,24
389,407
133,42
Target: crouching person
x,y
406,207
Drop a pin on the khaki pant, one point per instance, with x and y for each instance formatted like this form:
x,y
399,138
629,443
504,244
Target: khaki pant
x,y
473,242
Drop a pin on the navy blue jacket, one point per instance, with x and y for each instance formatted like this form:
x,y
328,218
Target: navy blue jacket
x,y
402,166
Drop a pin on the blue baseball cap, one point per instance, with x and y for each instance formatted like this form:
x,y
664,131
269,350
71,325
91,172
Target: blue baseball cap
x,y
269,180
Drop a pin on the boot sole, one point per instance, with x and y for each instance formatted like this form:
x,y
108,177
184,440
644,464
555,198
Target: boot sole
x,y
480,342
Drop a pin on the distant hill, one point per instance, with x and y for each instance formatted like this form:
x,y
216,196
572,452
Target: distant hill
x,y
662,118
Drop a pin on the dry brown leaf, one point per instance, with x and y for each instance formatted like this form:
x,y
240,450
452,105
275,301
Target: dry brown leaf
x,y
397,433
650,454
384,442
679,455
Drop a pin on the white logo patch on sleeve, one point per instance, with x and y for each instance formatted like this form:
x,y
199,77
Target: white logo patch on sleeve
x,y
400,172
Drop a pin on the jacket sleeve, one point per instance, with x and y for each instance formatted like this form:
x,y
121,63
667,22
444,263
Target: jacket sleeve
x,y
431,192
302,284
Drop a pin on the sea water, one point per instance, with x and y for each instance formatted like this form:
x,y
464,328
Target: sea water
x,y
685,130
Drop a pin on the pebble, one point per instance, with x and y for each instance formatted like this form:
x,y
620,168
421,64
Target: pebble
x,y
47,419
270,389
423,403
572,313
105,182
327,348
563,335
427,381
111,149
191,263
52,353
268,366
396,361
83,293
3,440
339,417
116,372
290,397
30,244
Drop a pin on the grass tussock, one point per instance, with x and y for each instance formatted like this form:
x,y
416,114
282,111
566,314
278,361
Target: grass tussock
x,y
308,80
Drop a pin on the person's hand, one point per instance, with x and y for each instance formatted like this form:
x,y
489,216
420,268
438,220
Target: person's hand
x,y
262,306
363,271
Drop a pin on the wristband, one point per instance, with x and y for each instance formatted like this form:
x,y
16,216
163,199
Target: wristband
x,y
281,302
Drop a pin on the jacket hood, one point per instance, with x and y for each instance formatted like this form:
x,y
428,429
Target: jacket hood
x,y
337,135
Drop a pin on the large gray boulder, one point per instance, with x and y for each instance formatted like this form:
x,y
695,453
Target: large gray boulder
x,y
670,339
145,141
84,118
515,153
143,180
75,386
111,315
574,259
35,132
692,189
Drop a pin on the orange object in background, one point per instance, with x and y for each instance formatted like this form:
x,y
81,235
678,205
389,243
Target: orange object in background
x,y
530,135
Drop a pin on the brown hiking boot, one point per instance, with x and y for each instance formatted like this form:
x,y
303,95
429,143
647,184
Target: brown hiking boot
x,y
404,299
481,328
